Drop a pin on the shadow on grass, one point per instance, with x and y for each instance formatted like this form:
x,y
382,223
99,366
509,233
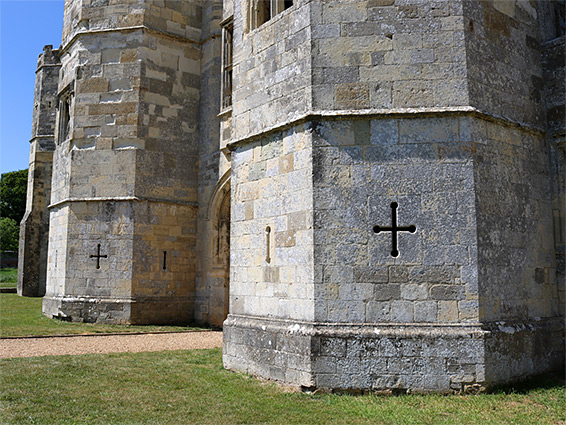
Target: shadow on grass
x,y
542,382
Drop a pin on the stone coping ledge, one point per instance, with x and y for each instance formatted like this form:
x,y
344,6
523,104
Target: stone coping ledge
x,y
122,199
384,114
69,42
389,329
130,300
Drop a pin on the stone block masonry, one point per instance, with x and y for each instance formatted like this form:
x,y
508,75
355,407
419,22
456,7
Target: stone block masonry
x,y
369,54
102,288
214,196
271,229
440,289
125,184
393,358
352,357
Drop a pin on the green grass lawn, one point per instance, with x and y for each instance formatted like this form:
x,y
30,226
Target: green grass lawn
x,y
191,387
21,316
8,278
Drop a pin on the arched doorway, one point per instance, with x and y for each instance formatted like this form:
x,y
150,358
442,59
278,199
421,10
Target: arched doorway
x,y
218,273
223,249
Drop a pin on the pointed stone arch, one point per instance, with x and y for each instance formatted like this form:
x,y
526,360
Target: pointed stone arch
x,y
218,279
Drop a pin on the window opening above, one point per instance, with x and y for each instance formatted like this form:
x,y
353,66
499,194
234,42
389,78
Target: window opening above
x,y
262,11
226,88
64,116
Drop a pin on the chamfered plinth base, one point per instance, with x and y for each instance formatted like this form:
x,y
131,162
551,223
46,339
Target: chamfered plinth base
x,y
389,357
135,311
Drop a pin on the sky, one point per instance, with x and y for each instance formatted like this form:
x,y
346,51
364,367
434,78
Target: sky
x,y
25,27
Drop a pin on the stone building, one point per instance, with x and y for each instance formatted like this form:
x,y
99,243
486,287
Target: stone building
x,y
365,194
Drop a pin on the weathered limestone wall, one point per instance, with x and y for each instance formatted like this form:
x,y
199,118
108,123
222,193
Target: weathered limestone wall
x,y
84,288
127,173
181,19
398,358
272,270
164,259
504,59
45,93
56,256
555,77
387,54
425,165
359,166
517,272
272,69
555,88
34,228
519,294
412,322
271,256
395,122
378,316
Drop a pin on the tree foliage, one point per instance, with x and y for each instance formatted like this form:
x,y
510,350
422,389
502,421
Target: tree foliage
x,y
9,234
13,189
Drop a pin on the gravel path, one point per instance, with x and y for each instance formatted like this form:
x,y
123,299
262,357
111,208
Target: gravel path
x,y
56,346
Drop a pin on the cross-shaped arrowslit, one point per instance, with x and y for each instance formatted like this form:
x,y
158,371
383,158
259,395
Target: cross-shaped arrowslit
x,y
98,257
394,229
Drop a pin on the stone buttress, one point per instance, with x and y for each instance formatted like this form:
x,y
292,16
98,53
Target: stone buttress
x,y
391,217
34,228
123,209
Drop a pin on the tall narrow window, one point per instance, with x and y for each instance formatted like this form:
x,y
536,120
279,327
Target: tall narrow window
x,y
64,116
262,11
227,33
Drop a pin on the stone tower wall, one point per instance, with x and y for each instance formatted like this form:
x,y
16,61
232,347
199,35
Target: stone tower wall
x,y
34,229
553,50
272,70
402,115
126,175
517,270
272,269
425,166
387,54
504,60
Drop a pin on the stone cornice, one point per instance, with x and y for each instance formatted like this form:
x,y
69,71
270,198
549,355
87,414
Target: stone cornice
x,y
49,65
384,114
416,329
182,39
121,199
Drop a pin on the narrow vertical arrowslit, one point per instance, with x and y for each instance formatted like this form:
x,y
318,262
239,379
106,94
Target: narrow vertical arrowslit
x,y
268,234
164,260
